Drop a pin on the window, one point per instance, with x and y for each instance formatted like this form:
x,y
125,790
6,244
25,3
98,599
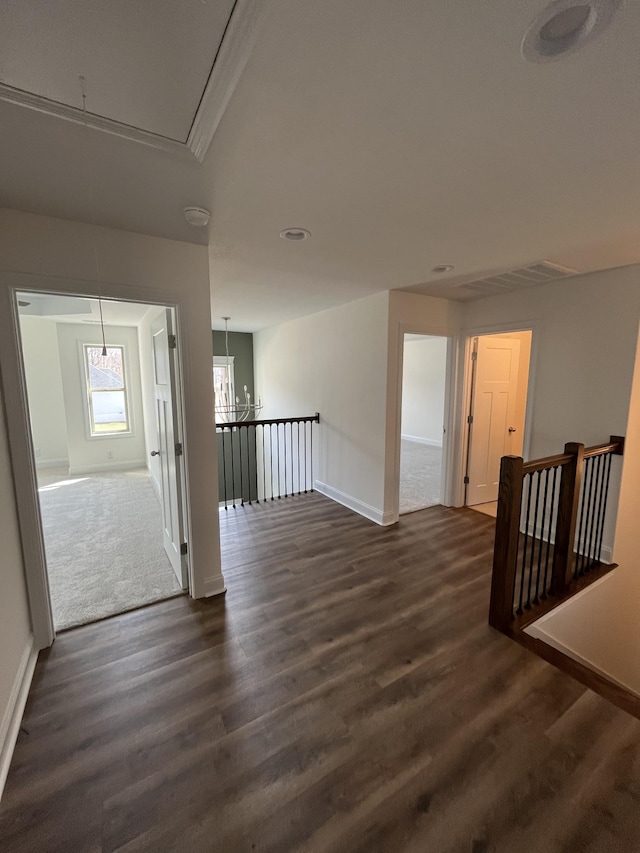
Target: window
x,y
224,388
106,390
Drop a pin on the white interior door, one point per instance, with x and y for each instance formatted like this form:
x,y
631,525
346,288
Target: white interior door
x,y
165,451
493,430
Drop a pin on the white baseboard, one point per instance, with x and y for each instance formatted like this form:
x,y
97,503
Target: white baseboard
x,y
12,717
109,466
362,508
214,586
52,463
432,442
539,531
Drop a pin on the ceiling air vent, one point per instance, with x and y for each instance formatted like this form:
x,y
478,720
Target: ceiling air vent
x,y
538,273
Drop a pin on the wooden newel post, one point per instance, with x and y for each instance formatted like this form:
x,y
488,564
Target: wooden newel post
x,y
505,553
568,498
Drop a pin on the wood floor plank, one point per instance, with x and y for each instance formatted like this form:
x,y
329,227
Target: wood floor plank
x,y
346,695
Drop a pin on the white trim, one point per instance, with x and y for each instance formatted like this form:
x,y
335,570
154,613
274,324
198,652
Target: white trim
x,y
214,586
84,378
12,718
127,465
107,125
237,45
362,508
432,442
236,48
393,442
24,469
52,463
19,429
465,348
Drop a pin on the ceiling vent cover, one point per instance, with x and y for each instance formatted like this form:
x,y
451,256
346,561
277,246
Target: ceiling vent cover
x,y
538,273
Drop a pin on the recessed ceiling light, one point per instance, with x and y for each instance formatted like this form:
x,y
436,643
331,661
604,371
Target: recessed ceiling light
x,y
295,234
564,26
443,268
198,216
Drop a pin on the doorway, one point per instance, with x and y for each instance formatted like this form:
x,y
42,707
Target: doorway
x,y
497,412
422,421
110,511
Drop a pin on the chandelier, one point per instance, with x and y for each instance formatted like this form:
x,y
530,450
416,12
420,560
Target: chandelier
x,y
228,407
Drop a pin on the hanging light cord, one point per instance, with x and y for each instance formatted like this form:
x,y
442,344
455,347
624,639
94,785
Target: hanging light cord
x,y
104,345
226,347
83,89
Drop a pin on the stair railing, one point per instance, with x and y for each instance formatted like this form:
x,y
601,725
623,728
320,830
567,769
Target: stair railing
x,y
263,460
549,530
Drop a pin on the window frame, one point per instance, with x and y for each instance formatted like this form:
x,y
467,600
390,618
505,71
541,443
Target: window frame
x,y
223,361
88,407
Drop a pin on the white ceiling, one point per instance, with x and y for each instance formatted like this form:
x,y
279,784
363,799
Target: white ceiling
x,y
71,309
402,135
145,64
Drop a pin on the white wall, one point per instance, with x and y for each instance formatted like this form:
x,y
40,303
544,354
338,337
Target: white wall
x,y
584,341
16,640
58,256
44,381
334,362
423,386
87,453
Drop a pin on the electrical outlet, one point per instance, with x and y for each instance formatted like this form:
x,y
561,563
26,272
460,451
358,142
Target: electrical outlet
x,y
37,452
109,455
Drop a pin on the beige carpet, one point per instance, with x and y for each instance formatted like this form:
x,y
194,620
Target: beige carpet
x,y
103,540
420,474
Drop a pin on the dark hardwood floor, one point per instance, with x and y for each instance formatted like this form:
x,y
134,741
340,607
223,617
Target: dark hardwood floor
x,y
346,696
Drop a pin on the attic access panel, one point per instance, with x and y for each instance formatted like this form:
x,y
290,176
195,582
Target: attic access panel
x,y
146,63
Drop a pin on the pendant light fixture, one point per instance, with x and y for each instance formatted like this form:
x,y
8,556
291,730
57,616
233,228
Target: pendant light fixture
x,y
90,199
228,409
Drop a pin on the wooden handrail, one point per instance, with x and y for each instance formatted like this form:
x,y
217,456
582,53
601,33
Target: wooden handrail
x,y
546,462
268,421
615,445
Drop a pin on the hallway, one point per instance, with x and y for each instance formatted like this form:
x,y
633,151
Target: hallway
x,y
345,695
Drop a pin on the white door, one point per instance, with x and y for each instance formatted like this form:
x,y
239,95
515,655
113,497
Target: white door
x,y
165,451
493,432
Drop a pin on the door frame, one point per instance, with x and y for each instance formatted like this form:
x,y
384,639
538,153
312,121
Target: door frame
x,y
465,384
21,449
450,408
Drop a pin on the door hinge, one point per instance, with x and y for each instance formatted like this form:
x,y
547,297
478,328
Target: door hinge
x,y
178,449
172,342
466,481
470,419
474,355
183,549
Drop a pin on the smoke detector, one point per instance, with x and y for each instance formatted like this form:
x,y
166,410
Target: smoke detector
x,y
564,26
197,216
